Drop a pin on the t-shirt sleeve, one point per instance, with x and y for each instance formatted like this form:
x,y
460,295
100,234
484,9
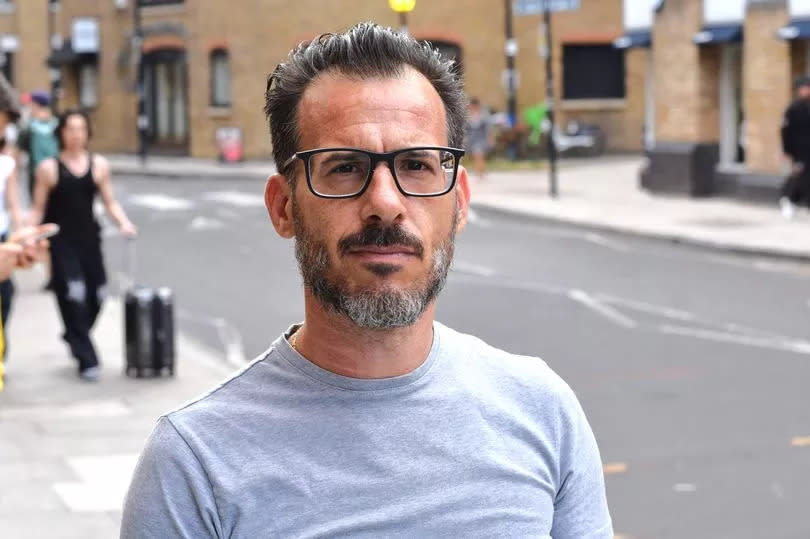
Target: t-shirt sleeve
x,y
580,507
170,495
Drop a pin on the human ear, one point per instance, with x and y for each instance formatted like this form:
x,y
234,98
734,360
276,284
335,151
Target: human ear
x,y
462,198
278,200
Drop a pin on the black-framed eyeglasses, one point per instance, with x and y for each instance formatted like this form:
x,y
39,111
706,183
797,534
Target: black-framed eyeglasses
x,y
422,171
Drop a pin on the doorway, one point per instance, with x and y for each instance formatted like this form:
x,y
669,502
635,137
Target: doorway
x,y
166,87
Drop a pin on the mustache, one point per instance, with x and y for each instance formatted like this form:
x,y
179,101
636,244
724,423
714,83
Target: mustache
x,y
377,236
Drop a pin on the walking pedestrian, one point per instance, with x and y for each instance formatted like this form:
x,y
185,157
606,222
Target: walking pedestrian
x,y
371,419
479,135
796,146
10,212
37,138
65,189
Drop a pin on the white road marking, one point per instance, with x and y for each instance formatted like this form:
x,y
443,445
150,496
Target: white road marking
x,y
160,202
777,490
76,410
229,336
598,239
684,487
582,297
782,344
205,223
472,269
645,307
102,485
236,198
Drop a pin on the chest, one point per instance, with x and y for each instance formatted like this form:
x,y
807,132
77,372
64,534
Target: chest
x,y
420,472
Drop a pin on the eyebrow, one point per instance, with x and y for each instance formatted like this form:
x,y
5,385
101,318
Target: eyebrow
x,y
342,156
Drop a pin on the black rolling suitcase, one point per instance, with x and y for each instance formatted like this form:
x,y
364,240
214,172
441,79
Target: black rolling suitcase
x,y
148,327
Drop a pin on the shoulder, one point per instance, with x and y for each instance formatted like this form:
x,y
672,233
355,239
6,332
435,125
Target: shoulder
x,y
514,375
48,166
100,163
226,400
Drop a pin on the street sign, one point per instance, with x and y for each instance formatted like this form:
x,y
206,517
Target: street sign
x,y
536,7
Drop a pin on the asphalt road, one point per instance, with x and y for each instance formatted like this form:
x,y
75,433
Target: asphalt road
x,y
692,365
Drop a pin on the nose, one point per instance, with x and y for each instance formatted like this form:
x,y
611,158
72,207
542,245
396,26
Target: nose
x,y
382,201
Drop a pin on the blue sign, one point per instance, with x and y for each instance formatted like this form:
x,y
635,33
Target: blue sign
x,y
536,7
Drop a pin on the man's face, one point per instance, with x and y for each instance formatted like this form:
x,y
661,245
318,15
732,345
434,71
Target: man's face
x,y
382,257
804,91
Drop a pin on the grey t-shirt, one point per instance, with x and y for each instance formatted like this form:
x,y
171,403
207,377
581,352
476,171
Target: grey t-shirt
x,y
475,442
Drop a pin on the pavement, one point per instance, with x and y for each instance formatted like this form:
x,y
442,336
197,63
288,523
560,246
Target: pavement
x,y
601,193
68,447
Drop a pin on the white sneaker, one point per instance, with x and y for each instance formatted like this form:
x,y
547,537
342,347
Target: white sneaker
x,y
90,374
787,208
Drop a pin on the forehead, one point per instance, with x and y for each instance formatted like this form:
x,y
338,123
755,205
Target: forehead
x,y
379,114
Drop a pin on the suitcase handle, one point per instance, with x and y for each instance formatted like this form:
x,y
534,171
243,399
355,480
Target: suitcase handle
x,y
130,263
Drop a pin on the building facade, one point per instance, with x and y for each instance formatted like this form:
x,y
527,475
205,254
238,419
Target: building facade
x,y
722,74
205,62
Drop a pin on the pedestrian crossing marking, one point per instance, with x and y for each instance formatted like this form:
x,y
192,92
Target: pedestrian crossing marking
x,y
102,486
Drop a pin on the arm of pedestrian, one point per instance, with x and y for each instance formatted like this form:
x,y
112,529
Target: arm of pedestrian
x,y
9,257
13,200
114,209
46,177
32,242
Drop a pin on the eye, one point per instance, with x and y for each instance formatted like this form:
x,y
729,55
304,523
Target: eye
x,y
346,168
414,164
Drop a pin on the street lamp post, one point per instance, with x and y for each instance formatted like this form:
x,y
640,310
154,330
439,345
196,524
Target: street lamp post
x,y
552,147
403,7
142,121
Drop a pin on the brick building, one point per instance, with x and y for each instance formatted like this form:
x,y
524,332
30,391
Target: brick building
x,y
722,75
206,61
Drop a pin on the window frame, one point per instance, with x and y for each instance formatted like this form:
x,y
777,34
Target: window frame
x,y
221,54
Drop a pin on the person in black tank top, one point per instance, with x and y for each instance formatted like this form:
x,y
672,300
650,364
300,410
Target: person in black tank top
x,y
64,193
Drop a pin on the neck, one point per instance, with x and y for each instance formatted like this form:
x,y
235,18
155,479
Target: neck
x,y
73,153
335,343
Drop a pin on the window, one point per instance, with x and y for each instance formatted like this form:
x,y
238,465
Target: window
x,y
220,78
88,85
6,6
593,72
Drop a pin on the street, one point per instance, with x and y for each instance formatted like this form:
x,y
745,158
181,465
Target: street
x,y
693,365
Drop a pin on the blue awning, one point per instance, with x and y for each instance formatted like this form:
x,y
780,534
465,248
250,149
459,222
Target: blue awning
x,y
719,33
797,29
637,38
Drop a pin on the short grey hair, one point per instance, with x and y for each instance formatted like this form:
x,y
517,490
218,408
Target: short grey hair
x,y
365,51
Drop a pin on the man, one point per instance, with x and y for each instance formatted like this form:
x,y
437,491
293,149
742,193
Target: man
x,y
370,419
796,145
38,138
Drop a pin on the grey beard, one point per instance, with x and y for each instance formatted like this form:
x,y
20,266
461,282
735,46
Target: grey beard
x,y
377,309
